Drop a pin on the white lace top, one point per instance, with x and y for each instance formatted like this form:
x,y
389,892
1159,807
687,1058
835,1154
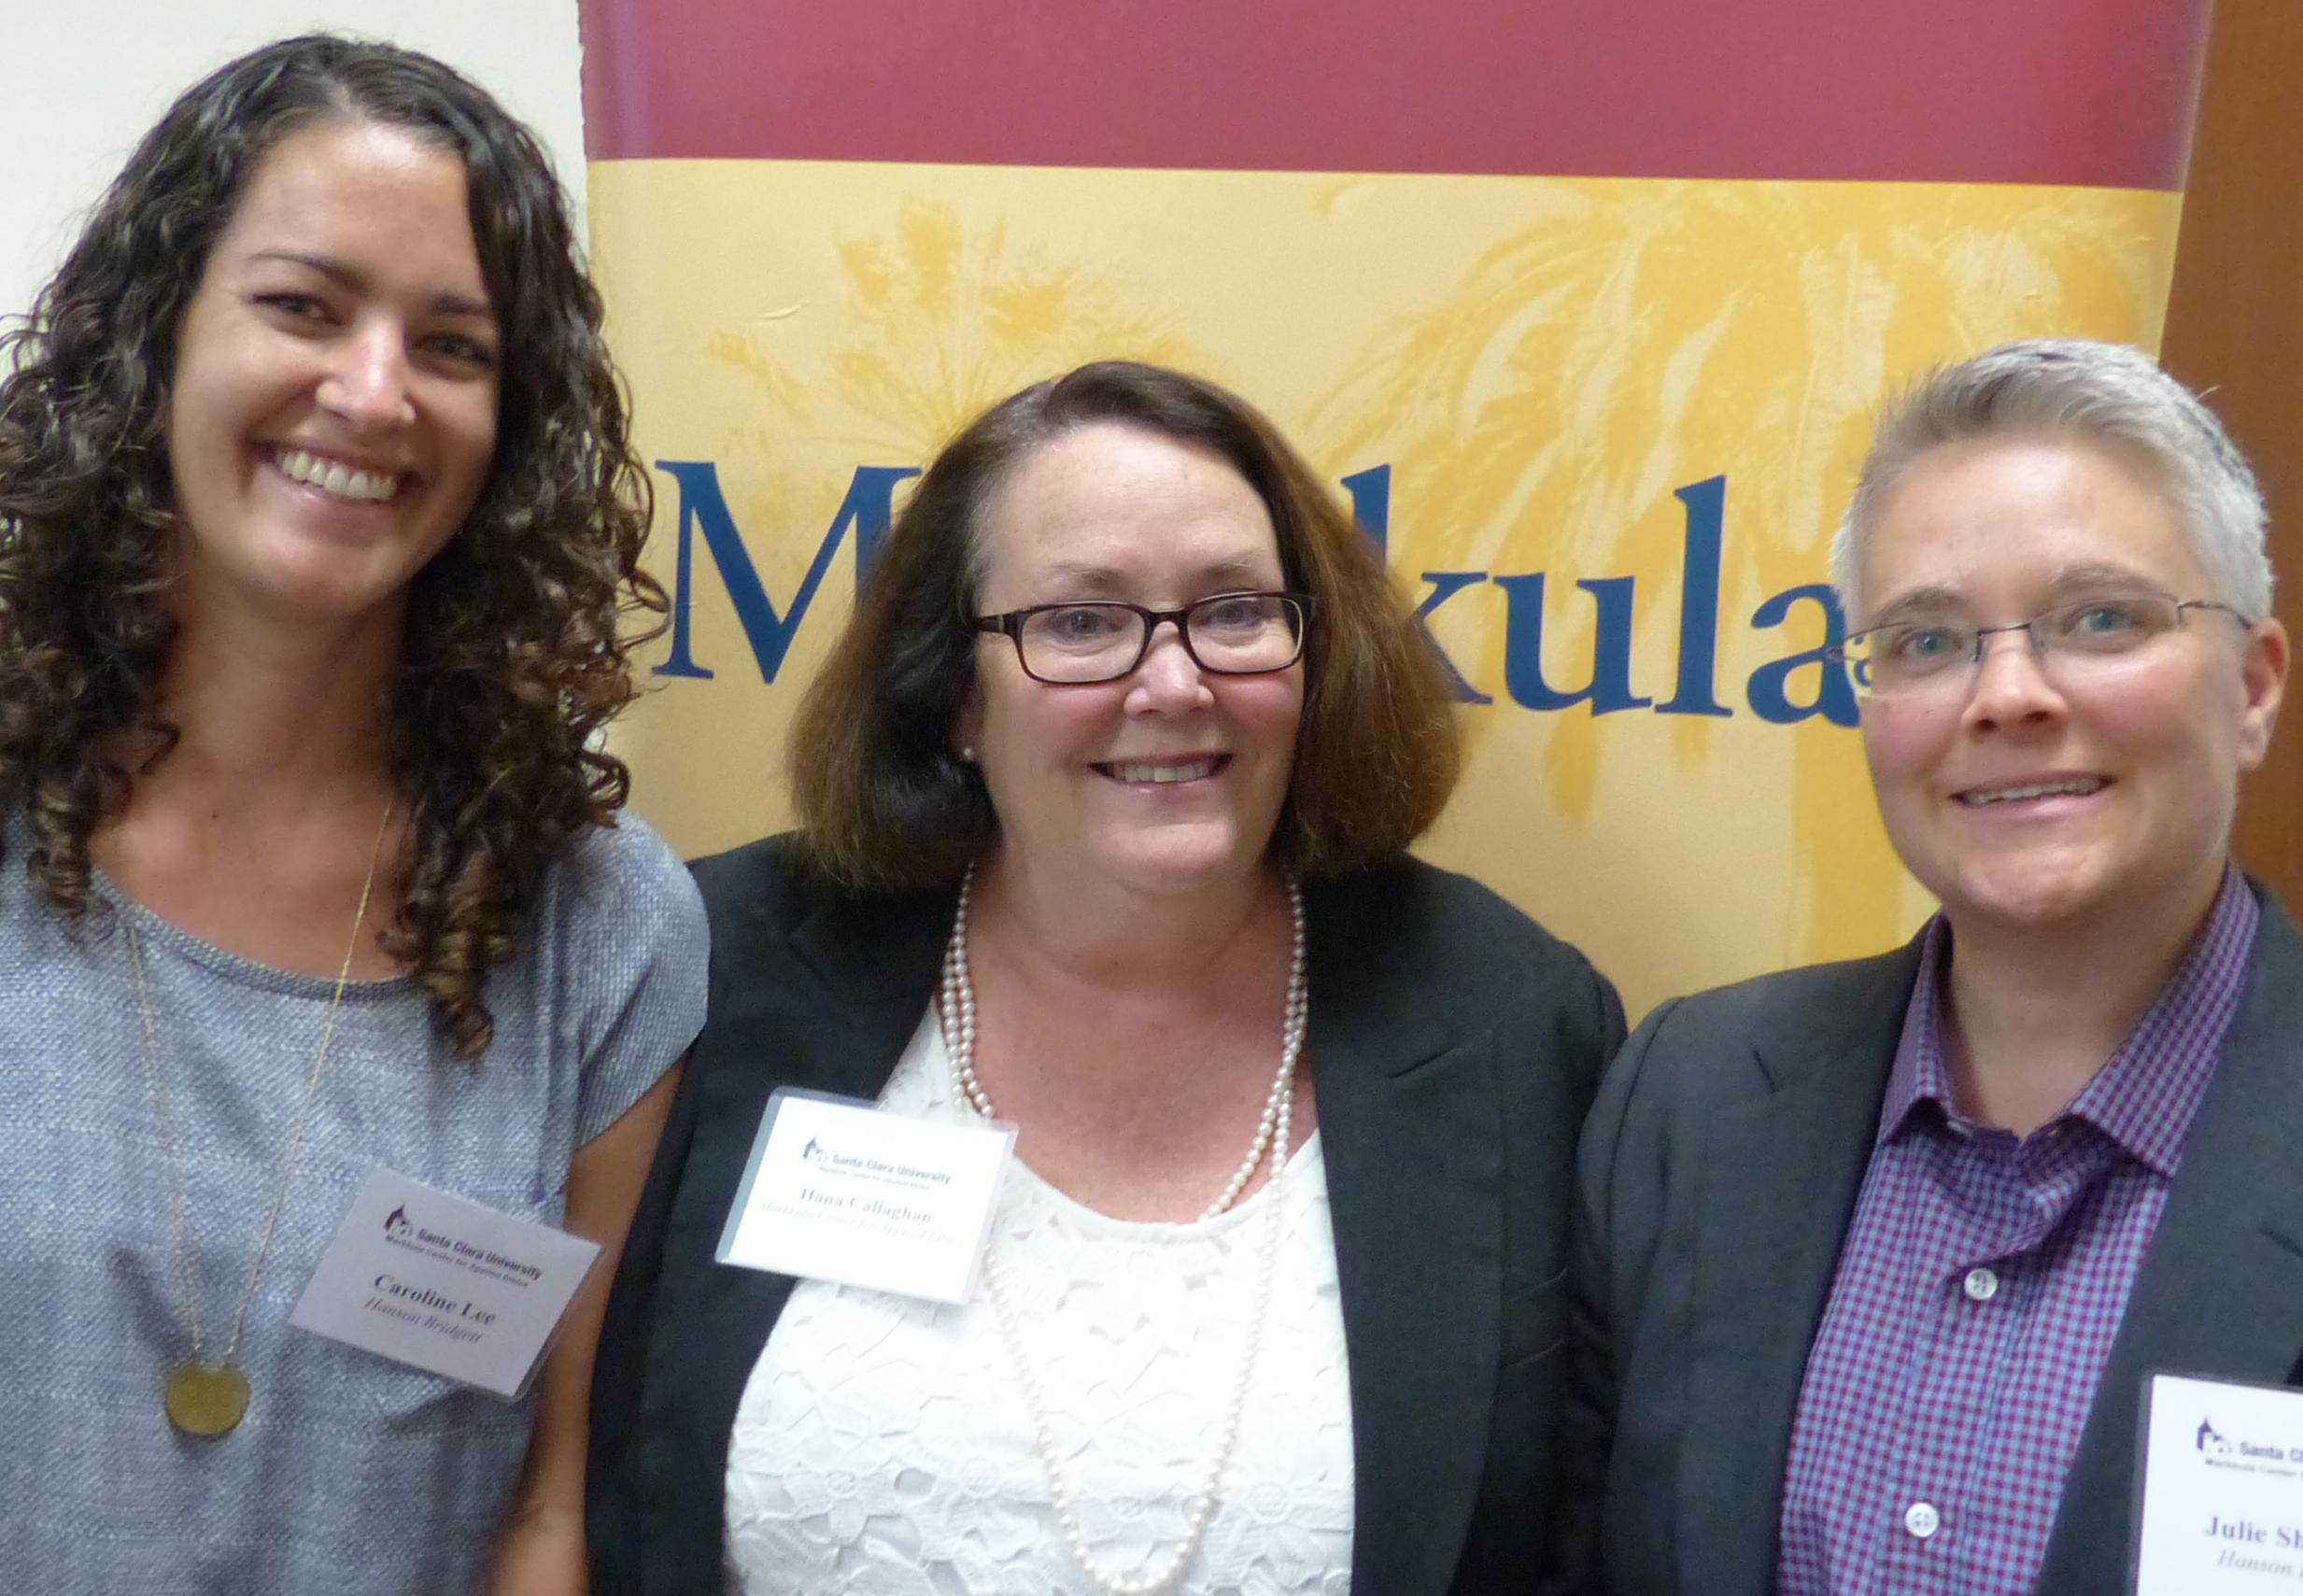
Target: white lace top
x,y
882,1447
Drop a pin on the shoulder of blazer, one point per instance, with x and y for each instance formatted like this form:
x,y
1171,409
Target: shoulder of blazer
x,y
1421,952
1783,1025
2277,961
1825,1031
756,894
770,909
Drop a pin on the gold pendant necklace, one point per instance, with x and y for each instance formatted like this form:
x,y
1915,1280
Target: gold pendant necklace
x,y
204,1398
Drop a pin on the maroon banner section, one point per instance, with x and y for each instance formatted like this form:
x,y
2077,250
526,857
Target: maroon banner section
x,y
2079,92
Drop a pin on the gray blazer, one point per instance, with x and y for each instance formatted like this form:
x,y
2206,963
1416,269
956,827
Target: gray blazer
x,y
1717,1175
1454,1048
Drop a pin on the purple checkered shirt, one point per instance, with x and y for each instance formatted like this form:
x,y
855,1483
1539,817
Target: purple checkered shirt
x,y
1978,1291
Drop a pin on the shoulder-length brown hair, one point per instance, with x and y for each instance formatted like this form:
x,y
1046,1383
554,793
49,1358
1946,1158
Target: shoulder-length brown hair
x,y
885,804
512,658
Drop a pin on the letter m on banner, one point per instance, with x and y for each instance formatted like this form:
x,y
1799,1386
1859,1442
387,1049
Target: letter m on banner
x,y
867,508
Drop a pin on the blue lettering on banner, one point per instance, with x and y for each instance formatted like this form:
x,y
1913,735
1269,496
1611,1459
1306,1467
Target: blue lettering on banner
x,y
1445,586
1371,502
1767,690
1371,506
869,508
1706,527
1610,688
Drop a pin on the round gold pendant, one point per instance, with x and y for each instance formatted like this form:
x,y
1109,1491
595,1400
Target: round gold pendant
x,y
206,1399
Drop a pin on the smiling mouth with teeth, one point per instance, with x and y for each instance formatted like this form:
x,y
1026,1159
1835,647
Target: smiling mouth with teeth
x,y
2081,787
1120,772
335,479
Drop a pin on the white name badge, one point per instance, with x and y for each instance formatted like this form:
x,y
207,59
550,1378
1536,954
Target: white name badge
x,y
444,1284
839,1191
2221,1491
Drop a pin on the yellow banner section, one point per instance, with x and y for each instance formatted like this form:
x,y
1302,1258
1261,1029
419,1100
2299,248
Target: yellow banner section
x,y
1605,429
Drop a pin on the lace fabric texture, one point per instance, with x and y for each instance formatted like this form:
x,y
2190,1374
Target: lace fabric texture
x,y
882,1445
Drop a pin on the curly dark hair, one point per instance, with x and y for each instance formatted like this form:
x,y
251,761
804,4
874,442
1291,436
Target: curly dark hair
x,y
884,805
512,655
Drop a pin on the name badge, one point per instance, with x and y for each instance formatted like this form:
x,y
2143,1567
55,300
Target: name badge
x,y
837,1190
2221,1491
444,1284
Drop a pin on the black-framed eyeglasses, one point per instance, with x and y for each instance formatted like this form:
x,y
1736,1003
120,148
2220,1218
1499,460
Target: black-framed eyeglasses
x,y
1931,656
1102,640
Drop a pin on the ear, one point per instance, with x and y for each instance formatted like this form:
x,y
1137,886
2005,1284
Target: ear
x,y
2263,673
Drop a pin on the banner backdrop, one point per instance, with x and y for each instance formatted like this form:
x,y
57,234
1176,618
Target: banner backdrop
x,y
1583,305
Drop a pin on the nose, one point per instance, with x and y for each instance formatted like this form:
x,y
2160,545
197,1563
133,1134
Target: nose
x,y
1167,680
2011,687
367,383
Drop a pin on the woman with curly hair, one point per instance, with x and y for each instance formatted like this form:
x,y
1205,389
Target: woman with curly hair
x,y
317,511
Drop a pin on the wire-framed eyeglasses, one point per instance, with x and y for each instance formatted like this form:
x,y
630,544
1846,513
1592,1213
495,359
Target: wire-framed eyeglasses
x,y
1102,640
1920,656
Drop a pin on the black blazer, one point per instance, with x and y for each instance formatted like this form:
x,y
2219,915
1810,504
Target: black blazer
x,y
1454,1048
1720,1170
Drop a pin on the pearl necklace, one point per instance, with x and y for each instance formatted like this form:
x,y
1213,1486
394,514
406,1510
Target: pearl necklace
x,y
956,1017
959,1042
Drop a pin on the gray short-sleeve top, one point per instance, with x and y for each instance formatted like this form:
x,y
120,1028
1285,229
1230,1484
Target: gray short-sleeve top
x,y
350,1475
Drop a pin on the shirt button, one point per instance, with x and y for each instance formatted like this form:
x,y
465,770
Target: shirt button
x,y
1981,1285
1922,1520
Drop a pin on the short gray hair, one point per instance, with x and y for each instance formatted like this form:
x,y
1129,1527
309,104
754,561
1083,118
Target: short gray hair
x,y
2105,394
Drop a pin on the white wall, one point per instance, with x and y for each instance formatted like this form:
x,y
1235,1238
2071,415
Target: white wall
x,y
81,81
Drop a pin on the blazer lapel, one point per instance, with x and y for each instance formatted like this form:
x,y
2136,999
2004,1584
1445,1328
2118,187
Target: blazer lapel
x,y
1781,1171
2221,1289
844,1034
873,974
1414,1157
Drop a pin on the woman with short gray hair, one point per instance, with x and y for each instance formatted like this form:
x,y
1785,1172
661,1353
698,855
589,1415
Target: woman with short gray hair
x,y
1875,1259
2115,397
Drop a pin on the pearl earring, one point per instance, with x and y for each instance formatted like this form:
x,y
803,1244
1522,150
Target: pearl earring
x,y
968,753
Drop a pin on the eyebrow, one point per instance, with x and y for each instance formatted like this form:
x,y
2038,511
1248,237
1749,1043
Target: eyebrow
x,y
2096,576
2071,580
1931,600
1086,575
344,273
1104,578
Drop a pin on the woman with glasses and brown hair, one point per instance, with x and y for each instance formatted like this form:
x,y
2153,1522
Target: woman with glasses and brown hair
x,y
1106,792
1877,1258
